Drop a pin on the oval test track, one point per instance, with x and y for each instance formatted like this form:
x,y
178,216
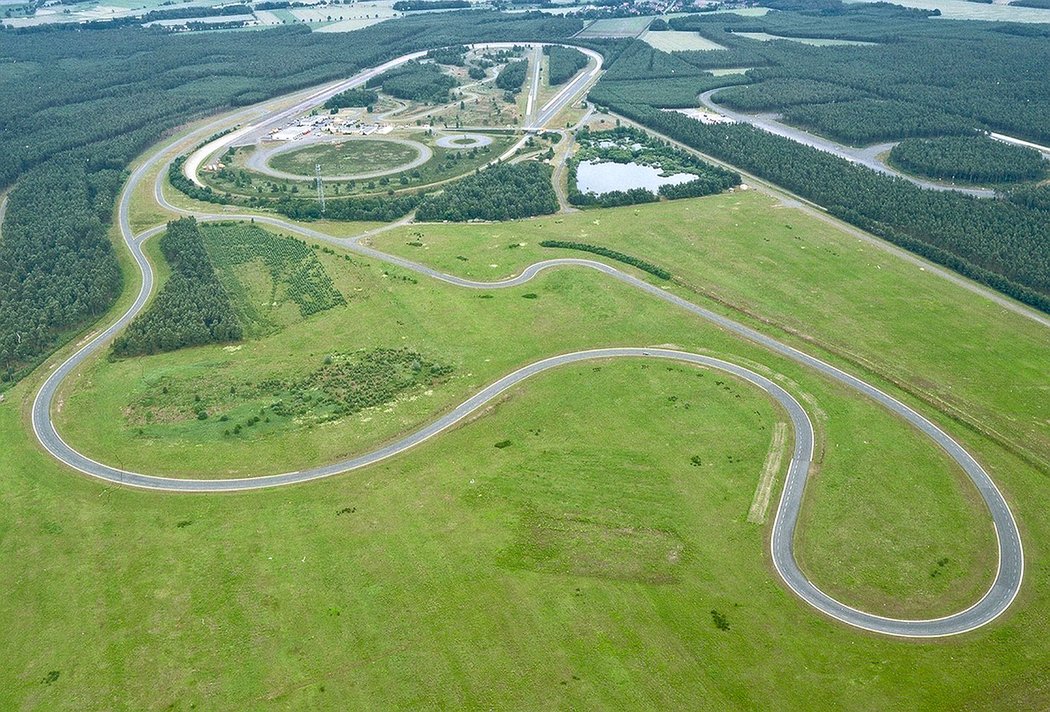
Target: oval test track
x,y
1010,568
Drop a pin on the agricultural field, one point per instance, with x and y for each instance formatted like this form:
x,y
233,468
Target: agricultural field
x,y
619,27
814,41
672,41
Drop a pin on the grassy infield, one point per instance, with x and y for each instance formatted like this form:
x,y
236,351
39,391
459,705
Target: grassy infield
x,y
578,566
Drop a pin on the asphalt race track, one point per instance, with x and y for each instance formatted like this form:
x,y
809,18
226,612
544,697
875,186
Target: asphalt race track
x,y
1010,568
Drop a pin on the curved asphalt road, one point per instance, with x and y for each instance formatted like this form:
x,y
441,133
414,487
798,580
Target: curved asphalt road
x,y
260,160
1010,568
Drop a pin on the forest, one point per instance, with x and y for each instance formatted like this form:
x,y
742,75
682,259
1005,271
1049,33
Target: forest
x,y
972,159
191,309
512,77
77,107
929,72
563,63
501,192
415,81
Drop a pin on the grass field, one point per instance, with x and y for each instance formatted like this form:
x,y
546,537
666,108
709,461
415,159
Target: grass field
x,y
814,41
456,327
673,41
581,564
615,27
346,158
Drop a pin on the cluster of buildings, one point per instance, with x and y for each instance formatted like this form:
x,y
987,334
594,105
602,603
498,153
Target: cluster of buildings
x,y
328,123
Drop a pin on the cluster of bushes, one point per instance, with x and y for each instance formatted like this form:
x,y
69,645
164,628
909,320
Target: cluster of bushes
x,y
453,56
352,97
975,159
416,81
191,309
502,192
563,63
611,254
512,77
348,383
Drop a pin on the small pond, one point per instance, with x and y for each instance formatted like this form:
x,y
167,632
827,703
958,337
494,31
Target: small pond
x,y
598,178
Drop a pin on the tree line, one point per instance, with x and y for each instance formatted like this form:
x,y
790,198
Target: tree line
x,y
191,309
611,254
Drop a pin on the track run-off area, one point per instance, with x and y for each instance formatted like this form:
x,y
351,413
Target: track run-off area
x,y
1010,567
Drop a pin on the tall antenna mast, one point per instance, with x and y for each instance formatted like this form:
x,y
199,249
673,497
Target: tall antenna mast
x,y
320,185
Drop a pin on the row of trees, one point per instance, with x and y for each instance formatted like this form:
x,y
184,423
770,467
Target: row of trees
x,y
502,192
417,5
975,159
611,254
563,63
191,309
77,107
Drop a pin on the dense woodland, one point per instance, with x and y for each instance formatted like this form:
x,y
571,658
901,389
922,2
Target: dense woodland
x,y
974,159
415,81
502,192
352,97
512,77
928,71
954,69
77,107
563,63
191,309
